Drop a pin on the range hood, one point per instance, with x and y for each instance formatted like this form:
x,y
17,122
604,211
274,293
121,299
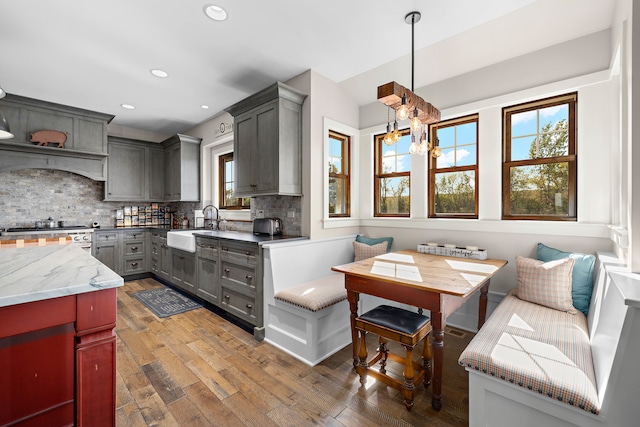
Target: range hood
x,y
84,152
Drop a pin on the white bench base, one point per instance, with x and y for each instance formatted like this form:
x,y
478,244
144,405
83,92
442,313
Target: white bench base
x,y
309,336
497,403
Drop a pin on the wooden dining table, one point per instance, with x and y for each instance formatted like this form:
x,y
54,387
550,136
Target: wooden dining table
x,y
440,284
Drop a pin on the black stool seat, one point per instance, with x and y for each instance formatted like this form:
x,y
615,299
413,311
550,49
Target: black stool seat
x,y
399,319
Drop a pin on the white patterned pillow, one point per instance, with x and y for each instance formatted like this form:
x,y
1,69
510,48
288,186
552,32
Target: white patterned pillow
x,y
546,283
364,251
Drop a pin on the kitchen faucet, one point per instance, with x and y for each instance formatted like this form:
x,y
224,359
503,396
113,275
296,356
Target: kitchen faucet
x,y
208,217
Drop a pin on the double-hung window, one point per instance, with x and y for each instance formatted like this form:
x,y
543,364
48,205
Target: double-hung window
x,y
339,181
392,177
453,177
539,169
225,185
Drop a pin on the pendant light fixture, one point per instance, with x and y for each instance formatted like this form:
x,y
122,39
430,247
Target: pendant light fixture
x,y
5,132
408,105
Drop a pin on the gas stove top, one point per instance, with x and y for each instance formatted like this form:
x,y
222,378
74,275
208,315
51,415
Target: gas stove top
x,y
48,230
34,230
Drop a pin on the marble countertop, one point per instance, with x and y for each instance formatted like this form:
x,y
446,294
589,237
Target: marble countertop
x,y
43,272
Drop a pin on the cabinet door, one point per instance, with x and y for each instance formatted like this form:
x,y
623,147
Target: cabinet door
x,y
105,249
266,153
189,172
245,139
171,172
208,281
96,383
125,173
189,269
155,174
165,260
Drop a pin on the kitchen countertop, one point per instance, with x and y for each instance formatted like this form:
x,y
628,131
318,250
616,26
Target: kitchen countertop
x,y
45,272
243,236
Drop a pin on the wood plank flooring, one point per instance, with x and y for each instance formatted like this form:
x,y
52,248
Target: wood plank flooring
x,y
198,369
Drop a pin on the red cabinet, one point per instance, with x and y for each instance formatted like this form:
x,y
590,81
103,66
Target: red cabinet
x,y
58,356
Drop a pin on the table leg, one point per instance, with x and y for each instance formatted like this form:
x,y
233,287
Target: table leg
x,y
482,309
353,298
437,346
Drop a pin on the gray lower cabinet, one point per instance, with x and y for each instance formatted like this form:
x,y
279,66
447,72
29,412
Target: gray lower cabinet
x,y
241,292
208,275
134,252
105,248
183,270
165,260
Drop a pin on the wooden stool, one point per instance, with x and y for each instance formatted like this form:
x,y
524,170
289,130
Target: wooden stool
x,y
406,328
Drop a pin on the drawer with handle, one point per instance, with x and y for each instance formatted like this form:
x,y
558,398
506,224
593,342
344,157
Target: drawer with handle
x,y
133,248
133,235
133,265
239,305
239,254
238,276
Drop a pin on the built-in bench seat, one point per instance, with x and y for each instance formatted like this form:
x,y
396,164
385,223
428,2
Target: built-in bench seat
x,y
531,365
306,312
315,294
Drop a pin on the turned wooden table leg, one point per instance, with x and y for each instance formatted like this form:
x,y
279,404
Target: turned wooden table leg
x,y
437,346
353,298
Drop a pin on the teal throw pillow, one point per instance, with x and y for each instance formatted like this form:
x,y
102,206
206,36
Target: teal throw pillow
x,y
374,241
582,281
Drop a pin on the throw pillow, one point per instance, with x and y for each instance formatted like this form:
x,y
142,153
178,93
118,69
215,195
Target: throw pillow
x,y
546,283
582,282
375,241
364,251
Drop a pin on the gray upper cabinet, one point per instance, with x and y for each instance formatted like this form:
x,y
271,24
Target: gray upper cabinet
x,y
134,169
182,169
126,174
146,171
267,142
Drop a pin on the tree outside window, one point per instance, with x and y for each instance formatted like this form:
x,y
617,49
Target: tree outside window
x,y
225,185
339,181
392,177
539,172
453,177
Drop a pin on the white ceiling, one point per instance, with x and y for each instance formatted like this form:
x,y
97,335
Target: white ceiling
x,y
98,55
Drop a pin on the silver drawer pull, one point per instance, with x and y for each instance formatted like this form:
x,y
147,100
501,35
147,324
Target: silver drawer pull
x,y
225,249
134,264
248,253
248,277
249,306
226,270
227,297
134,248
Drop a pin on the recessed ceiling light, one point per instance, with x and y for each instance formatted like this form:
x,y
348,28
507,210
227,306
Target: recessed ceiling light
x,y
215,12
128,106
159,73
204,107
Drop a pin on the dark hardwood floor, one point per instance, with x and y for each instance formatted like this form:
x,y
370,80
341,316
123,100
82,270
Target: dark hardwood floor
x,y
198,369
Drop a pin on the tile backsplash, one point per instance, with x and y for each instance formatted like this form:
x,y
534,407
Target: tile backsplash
x,y
36,194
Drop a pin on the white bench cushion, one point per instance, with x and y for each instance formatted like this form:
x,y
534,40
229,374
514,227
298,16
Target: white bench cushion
x,y
316,294
544,350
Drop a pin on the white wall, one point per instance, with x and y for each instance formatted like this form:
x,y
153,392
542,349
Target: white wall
x,y
326,100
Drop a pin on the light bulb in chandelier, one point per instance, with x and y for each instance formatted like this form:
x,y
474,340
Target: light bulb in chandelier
x,y
413,148
436,151
423,148
403,112
396,133
388,137
415,121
